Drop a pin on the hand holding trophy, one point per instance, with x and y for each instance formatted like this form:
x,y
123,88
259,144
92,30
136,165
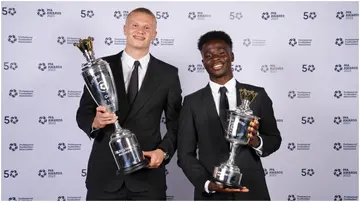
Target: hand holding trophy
x,y
101,86
228,173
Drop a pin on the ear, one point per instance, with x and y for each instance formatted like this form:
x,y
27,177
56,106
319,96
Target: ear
x,y
124,28
154,35
232,57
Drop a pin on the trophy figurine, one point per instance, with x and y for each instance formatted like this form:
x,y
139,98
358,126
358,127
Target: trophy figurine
x,y
101,86
228,174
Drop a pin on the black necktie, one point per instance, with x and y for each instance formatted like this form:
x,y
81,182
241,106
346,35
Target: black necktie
x,y
223,105
134,83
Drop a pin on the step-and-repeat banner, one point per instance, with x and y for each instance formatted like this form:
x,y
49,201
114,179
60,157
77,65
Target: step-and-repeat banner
x,y
305,54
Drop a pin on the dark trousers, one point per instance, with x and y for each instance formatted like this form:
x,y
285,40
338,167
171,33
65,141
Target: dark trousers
x,y
125,194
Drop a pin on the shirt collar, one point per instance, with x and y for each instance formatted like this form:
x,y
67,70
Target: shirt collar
x,y
144,61
230,86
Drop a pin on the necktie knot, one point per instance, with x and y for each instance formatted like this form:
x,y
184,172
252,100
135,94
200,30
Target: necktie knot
x,y
222,90
136,64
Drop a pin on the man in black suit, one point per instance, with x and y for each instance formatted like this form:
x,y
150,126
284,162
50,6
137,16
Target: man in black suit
x,y
146,87
201,127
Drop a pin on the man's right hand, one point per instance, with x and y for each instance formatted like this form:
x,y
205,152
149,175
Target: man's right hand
x,y
220,188
103,117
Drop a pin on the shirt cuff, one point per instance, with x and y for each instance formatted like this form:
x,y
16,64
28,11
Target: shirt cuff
x,y
206,187
260,147
94,129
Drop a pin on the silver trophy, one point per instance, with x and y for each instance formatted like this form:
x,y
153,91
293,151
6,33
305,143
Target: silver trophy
x,y
101,86
228,173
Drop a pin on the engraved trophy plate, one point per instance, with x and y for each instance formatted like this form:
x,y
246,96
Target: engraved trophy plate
x,y
228,173
100,83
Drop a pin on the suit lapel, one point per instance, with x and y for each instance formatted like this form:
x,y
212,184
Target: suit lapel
x,y
238,99
210,106
148,87
116,68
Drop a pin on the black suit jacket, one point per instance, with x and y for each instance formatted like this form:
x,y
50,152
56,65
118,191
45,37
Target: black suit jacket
x,y
200,128
160,91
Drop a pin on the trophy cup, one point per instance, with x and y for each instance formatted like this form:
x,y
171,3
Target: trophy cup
x,y
228,174
101,86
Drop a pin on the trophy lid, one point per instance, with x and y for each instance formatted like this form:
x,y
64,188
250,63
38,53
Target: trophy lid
x,y
87,48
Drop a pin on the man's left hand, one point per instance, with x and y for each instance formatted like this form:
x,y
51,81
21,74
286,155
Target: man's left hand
x,y
252,134
156,157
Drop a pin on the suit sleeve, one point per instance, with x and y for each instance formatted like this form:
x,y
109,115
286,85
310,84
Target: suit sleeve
x,y
268,129
187,146
86,113
172,113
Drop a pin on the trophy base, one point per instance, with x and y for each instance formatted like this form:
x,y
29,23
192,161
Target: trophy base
x,y
227,184
133,168
228,175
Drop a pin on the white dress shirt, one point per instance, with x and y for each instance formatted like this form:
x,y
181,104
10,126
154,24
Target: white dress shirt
x,y
231,95
128,66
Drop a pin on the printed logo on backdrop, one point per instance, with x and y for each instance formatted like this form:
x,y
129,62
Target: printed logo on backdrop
x,y
116,41
170,198
345,198
272,172
51,120
307,120
345,94
69,93
163,42
345,172
47,12
348,42
162,15
196,68
21,93
344,120
279,120
10,173
69,146
346,15
11,119
271,68
8,11
10,66
345,146
68,40
49,66
87,13
298,94
236,68
272,15
300,42
298,146
49,173
345,68
198,16
163,120
121,14
21,147
236,15
295,197
307,172
254,42
309,15
19,39
13,198
68,198
308,68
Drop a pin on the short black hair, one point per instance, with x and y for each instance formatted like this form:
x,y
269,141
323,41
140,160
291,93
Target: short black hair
x,y
214,35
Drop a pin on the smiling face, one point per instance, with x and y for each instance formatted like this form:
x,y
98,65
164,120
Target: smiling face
x,y
217,58
140,30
